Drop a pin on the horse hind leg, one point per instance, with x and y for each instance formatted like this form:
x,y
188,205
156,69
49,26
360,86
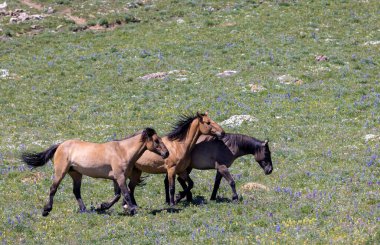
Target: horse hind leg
x,y
77,182
189,195
58,176
61,166
107,205
181,194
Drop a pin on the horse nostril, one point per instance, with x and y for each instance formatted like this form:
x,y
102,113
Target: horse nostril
x,y
166,154
220,135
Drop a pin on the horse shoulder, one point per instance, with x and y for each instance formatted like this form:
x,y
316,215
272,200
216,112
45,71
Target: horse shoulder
x,y
151,162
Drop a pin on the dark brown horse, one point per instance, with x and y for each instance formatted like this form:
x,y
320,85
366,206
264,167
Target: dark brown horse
x,y
112,160
212,153
180,143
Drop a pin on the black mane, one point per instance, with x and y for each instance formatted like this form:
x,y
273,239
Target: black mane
x,y
147,133
245,143
181,127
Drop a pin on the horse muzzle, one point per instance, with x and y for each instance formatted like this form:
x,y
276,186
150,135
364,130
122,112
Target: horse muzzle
x,y
165,154
268,170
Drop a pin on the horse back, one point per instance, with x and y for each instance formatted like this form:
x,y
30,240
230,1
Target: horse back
x,y
207,153
82,151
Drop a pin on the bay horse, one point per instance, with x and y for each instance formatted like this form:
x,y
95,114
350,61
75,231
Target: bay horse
x,y
219,154
112,160
180,142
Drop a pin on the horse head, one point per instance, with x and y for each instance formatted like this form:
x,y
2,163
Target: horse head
x,y
154,142
208,126
263,157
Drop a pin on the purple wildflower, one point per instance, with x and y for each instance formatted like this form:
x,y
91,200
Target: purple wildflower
x,y
278,228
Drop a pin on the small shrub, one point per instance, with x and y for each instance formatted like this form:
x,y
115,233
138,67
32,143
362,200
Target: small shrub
x,y
103,22
63,2
91,23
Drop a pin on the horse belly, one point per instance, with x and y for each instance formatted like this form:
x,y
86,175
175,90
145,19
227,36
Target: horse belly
x,y
98,171
202,158
203,163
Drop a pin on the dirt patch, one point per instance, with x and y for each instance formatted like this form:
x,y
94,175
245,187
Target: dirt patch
x,y
66,12
32,4
76,19
81,23
33,177
254,186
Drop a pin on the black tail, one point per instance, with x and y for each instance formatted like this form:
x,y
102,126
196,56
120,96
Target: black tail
x,y
39,159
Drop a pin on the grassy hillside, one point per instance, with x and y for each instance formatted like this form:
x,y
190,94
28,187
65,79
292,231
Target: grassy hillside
x,y
76,73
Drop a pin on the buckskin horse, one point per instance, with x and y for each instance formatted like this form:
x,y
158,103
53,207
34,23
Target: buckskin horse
x,y
180,142
111,160
212,153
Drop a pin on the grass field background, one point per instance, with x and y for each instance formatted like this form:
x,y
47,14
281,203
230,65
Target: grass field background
x,y
62,79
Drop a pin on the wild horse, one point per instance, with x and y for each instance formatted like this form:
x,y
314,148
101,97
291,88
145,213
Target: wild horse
x,y
111,160
212,153
180,141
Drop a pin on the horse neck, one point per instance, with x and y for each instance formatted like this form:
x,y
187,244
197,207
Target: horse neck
x,y
192,135
244,145
133,148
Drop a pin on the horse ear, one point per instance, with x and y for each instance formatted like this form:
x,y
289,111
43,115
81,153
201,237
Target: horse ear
x,y
206,113
147,133
144,135
200,116
265,143
150,132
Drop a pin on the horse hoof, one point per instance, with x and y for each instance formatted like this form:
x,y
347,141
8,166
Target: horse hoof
x,y
235,199
189,197
101,207
178,198
45,213
133,211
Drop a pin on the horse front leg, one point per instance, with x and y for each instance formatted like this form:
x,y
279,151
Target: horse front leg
x,y
134,181
120,179
223,170
107,205
171,179
166,183
218,178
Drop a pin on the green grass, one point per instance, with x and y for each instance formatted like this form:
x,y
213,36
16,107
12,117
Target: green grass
x,y
86,85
